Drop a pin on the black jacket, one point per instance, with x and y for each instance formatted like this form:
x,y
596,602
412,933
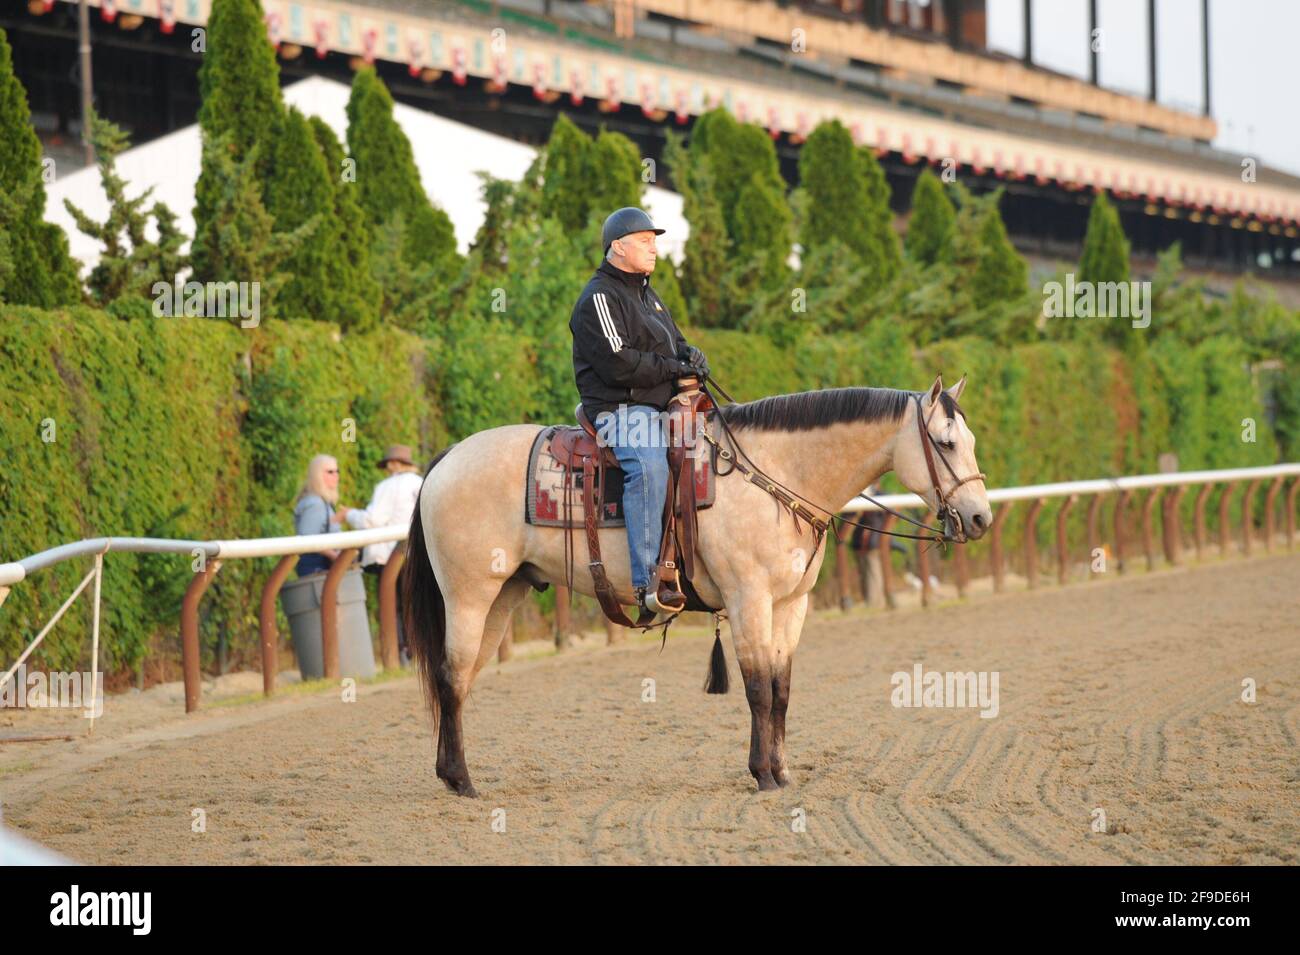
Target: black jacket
x,y
626,347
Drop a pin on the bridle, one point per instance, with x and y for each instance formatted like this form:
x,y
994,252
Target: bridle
x,y
947,513
798,505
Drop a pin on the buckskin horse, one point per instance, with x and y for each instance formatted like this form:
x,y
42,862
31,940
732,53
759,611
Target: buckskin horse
x,y
473,557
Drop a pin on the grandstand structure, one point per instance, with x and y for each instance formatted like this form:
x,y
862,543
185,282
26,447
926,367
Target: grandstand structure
x,y
913,79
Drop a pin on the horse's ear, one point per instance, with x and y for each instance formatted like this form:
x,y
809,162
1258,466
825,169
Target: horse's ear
x,y
935,389
956,390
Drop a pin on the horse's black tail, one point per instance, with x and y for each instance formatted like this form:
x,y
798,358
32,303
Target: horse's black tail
x,y
423,612
717,681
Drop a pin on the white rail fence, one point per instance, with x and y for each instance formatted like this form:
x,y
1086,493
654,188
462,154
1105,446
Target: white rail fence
x,y
207,556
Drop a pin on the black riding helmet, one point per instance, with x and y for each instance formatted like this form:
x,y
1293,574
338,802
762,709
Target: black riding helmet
x,y
625,221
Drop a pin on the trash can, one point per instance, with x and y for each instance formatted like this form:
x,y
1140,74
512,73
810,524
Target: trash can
x,y
301,602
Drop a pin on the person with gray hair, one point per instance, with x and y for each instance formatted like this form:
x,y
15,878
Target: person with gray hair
x,y
627,355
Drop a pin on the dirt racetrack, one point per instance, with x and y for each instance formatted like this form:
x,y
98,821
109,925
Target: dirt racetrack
x,y
1122,695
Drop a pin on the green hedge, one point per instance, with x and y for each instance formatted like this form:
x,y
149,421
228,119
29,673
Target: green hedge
x,y
199,429
181,428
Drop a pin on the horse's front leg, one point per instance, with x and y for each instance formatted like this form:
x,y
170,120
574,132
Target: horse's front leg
x,y
787,626
751,631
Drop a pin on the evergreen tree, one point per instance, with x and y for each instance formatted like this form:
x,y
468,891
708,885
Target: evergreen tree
x,y
585,177
239,82
10,207
41,271
761,219
567,176
130,263
835,192
246,248
708,248
489,245
390,181
360,297
997,273
1105,249
932,223
1106,259
741,160
615,164
298,193
886,250
669,288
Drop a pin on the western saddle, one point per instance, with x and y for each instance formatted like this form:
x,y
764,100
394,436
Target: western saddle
x,y
581,450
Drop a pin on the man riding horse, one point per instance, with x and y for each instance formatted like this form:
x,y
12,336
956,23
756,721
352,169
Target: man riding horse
x,y
627,353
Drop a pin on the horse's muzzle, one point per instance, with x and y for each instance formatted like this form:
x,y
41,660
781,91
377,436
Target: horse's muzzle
x,y
954,531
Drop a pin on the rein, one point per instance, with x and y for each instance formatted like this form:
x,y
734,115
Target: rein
x,y
795,502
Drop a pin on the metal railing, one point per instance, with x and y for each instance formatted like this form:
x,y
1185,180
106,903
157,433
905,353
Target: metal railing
x,y
207,556
1126,489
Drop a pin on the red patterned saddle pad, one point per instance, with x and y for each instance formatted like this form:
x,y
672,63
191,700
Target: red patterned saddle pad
x,y
546,480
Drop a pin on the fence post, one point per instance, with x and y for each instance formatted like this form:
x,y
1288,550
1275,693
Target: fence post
x,y
1224,500
266,622
1094,533
1269,501
1171,525
190,633
329,612
1147,507
1202,497
388,577
962,568
1290,515
842,574
1062,545
94,641
923,563
887,561
1121,503
561,617
1248,516
1031,542
999,519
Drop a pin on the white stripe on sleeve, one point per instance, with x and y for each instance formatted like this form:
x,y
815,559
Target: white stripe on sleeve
x,y
606,322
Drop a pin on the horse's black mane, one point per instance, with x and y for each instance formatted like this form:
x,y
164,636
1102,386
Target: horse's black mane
x,y
806,410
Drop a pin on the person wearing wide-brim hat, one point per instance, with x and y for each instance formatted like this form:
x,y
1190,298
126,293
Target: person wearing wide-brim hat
x,y
394,501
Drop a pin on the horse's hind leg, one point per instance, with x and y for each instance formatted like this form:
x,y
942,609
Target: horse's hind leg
x,y
494,629
465,623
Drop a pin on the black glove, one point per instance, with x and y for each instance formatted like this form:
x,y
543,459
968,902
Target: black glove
x,y
695,358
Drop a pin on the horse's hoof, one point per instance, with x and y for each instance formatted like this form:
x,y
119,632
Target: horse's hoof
x,y
461,786
782,779
766,783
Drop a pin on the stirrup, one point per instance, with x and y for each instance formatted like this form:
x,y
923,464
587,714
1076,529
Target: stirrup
x,y
651,602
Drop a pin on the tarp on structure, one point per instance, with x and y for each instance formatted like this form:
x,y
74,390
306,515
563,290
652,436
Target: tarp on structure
x,y
449,156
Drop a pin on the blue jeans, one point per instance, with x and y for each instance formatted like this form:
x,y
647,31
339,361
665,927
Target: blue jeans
x,y
635,434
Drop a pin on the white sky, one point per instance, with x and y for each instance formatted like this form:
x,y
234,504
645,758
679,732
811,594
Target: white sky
x,y
1253,51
